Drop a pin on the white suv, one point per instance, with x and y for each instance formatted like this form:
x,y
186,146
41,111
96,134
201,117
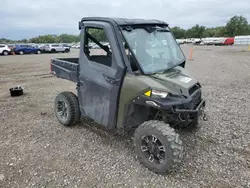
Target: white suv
x,y
4,49
56,48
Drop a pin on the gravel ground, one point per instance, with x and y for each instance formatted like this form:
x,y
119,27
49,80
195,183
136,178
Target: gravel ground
x,y
36,151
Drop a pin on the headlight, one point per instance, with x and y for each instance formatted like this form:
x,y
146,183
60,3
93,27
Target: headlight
x,y
156,94
159,94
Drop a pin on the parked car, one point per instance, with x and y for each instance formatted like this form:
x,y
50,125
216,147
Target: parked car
x,y
53,48
229,41
76,46
42,47
4,49
66,46
26,49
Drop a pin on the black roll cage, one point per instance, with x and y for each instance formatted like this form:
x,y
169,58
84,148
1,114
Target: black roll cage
x,y
89,36
117,25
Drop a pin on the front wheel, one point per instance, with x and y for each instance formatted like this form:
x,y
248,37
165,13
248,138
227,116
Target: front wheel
x,y
67,108
38,52
158,146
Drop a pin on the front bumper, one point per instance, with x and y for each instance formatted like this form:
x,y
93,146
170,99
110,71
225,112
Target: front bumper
x,y
182,111
198,111
187,116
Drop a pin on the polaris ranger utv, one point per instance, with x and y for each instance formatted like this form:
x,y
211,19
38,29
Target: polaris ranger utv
x,y
131,77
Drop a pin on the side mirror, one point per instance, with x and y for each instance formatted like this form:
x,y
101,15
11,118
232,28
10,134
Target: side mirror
x,y
80,25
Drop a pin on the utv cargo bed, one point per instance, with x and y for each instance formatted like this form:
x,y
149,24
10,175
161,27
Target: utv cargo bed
x,y
65,68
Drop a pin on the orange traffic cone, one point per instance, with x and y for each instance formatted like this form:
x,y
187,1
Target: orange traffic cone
x,y
190,58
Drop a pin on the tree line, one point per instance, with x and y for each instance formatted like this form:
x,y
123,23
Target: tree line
x,y
64,38
237,25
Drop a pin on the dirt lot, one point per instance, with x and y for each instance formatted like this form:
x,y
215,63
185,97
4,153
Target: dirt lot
x,y
36,151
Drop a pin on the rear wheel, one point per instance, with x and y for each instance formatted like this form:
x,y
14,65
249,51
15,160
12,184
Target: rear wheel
x,y
38,52
21,52
158,146
67,108
5,52
53,51
66,50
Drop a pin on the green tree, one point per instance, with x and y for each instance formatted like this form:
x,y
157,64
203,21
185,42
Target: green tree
x,y
220,32
46,39
209,32
23,41
237,25
178,32
195,31
4,40
65,38
98,34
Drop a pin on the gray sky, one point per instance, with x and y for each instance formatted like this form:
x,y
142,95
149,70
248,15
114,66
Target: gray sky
x,y
28,18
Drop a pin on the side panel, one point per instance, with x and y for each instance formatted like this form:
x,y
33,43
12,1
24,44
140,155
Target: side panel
x,y
28,49
64,69
25,50
61,48
33,50
99,85
131,88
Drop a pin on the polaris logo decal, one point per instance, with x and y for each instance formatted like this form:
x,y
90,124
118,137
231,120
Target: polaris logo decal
x,y
185,79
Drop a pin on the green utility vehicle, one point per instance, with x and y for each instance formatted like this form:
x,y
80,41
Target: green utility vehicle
x,y
131,78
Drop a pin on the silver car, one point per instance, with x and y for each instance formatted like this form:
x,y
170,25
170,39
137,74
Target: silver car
x,y
53,48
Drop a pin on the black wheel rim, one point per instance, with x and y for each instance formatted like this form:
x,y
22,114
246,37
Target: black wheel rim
x,y
62,109
153,149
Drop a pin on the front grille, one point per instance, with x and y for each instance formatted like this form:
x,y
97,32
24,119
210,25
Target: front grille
x,y
196,98
193,89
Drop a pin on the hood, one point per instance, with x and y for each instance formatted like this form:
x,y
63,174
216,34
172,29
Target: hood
x,y
177,81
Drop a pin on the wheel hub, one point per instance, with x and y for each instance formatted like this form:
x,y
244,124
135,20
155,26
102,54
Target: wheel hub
x,y
153,149
62,109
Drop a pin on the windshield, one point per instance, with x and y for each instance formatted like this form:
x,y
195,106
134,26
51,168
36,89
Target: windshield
x,y
155,48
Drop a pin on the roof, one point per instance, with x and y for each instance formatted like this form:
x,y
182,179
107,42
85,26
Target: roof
x,y
124,21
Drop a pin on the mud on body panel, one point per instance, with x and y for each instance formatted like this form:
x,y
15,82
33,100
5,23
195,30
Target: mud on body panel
x,y
94,104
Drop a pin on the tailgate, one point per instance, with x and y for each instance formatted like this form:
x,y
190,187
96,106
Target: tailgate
x,y
64,69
